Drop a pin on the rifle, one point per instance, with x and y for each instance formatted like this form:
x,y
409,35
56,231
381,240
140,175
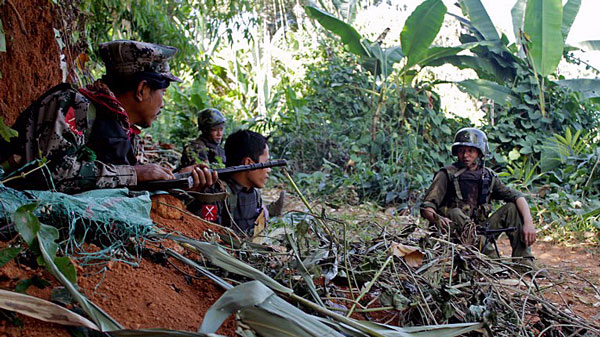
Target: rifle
x,y
490,235
185,180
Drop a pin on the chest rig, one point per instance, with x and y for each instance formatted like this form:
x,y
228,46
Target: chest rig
x,y
477,208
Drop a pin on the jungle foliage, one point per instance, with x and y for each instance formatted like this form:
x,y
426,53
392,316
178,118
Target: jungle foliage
x,y
355,114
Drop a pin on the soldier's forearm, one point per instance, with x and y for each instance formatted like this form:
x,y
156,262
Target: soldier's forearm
x,y
429,214
523,208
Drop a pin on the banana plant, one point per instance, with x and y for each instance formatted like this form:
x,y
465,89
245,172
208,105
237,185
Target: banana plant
x,y
541,28
416,50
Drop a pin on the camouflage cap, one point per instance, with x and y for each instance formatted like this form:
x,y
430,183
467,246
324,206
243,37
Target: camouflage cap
x,y
126,57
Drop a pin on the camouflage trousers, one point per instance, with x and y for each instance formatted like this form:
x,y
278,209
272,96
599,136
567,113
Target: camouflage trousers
x,y
506,216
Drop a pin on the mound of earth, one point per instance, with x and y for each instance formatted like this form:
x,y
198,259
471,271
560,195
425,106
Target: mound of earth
x,y
159,293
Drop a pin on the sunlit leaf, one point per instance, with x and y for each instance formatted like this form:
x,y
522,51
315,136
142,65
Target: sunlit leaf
x,y
480,19
66,267
350,37
41,309
543,21
411,254
483,88
5,132
570,10
590,45
420,29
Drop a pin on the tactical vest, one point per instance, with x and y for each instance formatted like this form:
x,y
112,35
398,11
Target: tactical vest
x,y
241,217
455,198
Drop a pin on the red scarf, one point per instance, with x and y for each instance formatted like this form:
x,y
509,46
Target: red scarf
x,y
100,94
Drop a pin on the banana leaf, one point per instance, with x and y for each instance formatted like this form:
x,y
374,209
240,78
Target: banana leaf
x,y
570,10
589,45
480,19
518,18
219,257
350,37
265,312
483,88
587,87
543,21
41,309
420,29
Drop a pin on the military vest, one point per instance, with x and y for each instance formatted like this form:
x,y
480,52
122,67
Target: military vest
x,y
458,190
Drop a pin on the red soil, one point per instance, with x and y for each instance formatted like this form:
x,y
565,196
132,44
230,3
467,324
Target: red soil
x,y
153,295
31,64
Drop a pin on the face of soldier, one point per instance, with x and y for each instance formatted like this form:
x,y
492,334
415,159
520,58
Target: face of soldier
x,y
216,133
468,155
258,178
150,106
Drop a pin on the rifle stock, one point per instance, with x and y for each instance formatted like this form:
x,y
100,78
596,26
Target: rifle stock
x,y
185,180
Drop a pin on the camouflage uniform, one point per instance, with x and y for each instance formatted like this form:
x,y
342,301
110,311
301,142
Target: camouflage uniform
x,y
456,194
85,134
202,150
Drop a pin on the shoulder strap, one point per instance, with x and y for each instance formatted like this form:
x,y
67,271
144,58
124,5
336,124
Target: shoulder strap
x,y
453,173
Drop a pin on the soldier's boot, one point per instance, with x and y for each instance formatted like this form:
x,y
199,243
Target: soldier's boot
x,y
276,207
528,265
526,262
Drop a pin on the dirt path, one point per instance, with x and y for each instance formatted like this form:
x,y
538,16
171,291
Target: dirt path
x,y
579,294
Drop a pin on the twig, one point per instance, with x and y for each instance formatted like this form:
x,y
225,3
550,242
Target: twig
x,y
18,16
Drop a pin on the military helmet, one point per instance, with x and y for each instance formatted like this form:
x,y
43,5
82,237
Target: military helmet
x,y
471,137
207,118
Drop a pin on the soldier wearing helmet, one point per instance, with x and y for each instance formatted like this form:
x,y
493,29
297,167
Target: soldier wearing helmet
x,y
206,148
461,195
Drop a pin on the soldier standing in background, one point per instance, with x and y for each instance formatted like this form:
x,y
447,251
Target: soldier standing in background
x,y
461,194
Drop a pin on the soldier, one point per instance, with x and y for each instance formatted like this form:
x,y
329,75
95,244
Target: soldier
x,y
242,209
88,137
461,193
206,148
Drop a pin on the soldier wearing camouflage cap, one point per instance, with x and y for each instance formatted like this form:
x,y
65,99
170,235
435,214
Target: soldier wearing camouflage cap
x,y
89,136
207,147
461,195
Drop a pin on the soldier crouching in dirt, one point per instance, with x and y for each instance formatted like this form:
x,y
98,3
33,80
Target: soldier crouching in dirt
x,y
89,136
460,197
206,148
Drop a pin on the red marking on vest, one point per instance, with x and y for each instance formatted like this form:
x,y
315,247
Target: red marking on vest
x,y
209,212
70,119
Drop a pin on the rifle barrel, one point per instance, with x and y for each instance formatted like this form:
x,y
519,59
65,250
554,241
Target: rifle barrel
x,y
185,180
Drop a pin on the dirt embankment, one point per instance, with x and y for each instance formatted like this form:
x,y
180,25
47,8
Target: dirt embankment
x,y
156,294
31,63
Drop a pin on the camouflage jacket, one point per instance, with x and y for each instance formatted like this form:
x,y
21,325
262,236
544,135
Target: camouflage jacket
x,y
442,194
59,127
202,150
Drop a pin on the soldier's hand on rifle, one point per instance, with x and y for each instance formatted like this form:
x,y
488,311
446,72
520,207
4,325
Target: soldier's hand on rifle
x,y
150,172
203,176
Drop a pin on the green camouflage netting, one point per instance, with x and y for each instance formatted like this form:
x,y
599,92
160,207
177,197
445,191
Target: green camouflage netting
x,y
112,219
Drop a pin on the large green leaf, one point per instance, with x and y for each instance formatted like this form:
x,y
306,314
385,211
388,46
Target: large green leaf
x,y
26,223
8,254
587,87
265,312
483,88
435,53
42,309
420,29
518,17
480,19
383,60
590,45
346,8
570,11
350,37
484,67
543,22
